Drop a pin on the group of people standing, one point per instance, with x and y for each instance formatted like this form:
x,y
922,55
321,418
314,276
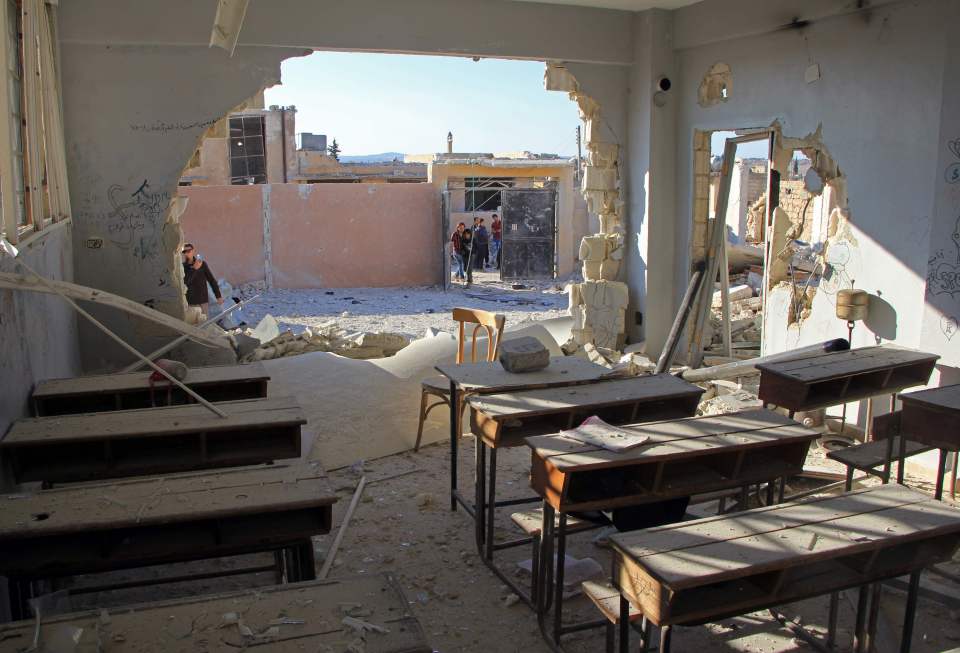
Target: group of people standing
x,y
476,248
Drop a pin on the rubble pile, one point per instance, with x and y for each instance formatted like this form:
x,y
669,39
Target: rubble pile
x,y
746,319
722,397
328,337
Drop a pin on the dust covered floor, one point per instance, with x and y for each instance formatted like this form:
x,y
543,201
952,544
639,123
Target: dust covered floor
x,y
403,524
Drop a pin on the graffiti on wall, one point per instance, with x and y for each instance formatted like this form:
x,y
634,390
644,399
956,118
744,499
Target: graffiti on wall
x,y
952,173
135,220
163,127
943,268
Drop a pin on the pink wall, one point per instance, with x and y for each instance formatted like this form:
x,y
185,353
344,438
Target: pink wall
x,y
225,223
322,235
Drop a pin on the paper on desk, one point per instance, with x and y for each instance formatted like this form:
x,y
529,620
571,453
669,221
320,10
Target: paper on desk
x,y
606,436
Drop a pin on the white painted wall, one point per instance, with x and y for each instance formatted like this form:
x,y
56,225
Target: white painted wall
x,y
38,332
879,104
889,105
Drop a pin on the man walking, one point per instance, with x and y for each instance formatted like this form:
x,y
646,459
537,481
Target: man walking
x,y
480,242
196,275
456,248
496,233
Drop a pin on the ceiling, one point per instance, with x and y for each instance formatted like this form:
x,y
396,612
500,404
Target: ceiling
x,y
628,5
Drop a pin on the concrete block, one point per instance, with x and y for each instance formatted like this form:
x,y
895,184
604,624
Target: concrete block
x,y
603,155
524,355
609,223
595,178
736,293
267,329
610,269
593,270
245,344
558,78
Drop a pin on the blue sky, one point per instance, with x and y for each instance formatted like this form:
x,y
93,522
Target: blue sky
x,y
754,150
380,103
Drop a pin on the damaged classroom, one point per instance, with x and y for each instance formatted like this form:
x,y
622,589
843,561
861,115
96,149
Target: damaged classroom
x,y
711,401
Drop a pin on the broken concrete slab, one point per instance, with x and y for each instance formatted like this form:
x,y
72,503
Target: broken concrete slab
x,y
735,293
245,344
266,330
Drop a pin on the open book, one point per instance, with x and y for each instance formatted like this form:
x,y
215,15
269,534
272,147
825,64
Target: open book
x,y
606,436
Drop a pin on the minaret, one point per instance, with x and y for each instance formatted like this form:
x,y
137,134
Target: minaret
x,y
449,142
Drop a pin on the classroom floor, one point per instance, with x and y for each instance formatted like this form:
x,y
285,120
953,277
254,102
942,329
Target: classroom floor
x,y
403,524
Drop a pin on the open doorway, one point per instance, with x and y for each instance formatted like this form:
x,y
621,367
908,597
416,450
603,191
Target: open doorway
x,y
773,219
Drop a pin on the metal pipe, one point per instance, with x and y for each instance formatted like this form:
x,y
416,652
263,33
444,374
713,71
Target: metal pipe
x,y
133,367
283,140
680,321
743,368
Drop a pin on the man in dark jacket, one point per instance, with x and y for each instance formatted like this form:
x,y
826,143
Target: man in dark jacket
x,y
196,275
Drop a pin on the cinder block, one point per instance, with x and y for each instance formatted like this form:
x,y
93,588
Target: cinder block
x,y
525,354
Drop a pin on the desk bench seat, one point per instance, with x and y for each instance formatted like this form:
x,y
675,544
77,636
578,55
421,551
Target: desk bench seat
x,y
158,520
108,392
870,456
95,446
297,617
714,568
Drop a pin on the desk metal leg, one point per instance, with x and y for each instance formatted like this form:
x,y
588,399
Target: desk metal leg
x,y
832,617
307,565
480,514
491,501
544,595
561,559
941,471
666,634
910,611
874,615
887,466
903,459
624,624
454,441
858,630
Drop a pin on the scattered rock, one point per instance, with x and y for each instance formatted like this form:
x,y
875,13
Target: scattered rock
x,y
526,354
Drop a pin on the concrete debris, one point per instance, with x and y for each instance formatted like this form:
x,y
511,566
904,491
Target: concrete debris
x,y
525,354
329,338
266,330
729,403
746,320
360,626
599,313
735,293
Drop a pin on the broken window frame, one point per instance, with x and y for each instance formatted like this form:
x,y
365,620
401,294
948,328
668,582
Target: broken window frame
x,y
243,143
33,178
17,223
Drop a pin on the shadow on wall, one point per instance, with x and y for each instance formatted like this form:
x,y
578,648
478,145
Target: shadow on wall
x,y
881,318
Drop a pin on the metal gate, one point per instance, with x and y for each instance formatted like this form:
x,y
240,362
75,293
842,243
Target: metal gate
x,y
529,233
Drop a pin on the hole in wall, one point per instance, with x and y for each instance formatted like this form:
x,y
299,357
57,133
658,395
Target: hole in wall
x,y
716,86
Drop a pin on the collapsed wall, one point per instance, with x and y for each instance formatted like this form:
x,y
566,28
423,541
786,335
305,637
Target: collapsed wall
x,y
598,304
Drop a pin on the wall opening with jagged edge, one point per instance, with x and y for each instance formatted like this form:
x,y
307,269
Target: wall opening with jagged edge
x,y
598,304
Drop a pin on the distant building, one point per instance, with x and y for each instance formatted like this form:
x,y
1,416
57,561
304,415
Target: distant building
x,y
253,145
313,142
